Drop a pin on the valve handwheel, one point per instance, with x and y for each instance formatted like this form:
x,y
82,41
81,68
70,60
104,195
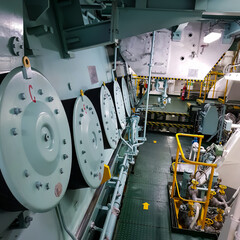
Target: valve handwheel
x,y
208,221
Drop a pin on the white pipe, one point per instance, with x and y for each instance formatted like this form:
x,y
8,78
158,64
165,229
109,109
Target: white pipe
x,y
197,206
237,233
115,62
149,81
60,214
235,126
235,217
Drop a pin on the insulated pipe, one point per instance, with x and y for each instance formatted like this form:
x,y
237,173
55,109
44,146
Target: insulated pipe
x,y
197,206
149,81
60,214
115,61
231,224
115,211
116,193
237,233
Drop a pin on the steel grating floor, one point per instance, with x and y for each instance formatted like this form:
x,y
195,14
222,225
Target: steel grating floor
x,y
149,184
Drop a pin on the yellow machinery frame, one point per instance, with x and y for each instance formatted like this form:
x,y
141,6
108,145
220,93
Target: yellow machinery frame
x,y
196,163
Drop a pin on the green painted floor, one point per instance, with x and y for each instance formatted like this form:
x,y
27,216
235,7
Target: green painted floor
x,y
177,105
149,184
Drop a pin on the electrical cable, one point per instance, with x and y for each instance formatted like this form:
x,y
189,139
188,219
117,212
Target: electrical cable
x,y
59,210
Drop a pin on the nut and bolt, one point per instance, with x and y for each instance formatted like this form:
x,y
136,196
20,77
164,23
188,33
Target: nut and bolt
x,y
14,131
50,99
46,137
17,110
38,185
26,173
56,111
65,156
47,186
28,219
22,96
40,92
61,170
64,141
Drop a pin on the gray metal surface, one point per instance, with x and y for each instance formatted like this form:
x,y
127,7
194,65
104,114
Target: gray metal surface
x,y
11,28
187,58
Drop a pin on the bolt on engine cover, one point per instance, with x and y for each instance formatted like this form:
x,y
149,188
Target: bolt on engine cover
x,y
35,141
104,106
126,97
109,117
116,93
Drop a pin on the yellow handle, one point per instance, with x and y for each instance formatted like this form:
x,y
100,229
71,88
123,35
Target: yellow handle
x,y
209,221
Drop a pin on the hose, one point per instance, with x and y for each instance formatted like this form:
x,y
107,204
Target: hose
x,y
59,210
197,206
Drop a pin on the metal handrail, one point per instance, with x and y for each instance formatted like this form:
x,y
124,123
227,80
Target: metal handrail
x,y
196,163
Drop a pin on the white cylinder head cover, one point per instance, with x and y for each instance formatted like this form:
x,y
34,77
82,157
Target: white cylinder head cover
x,y
35,141
88,141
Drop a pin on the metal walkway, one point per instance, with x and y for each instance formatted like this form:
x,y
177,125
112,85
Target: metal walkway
x,y
149,184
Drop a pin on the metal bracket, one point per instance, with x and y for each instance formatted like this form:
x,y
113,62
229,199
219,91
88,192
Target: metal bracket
x,y
22,221
231,30
177,35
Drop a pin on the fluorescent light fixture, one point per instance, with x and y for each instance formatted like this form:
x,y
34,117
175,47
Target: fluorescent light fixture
x,y
211,37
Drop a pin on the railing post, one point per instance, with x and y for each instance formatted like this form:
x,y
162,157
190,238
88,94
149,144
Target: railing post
x,y
208,196
198,154
175,173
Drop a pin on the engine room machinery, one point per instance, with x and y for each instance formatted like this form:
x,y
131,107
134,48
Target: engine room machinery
x,y
70,122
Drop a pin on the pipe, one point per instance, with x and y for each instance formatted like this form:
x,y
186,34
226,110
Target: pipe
x,y
235,126
114,197
131,147
237,233
116,206
115,61
93,7
149,81
59,211
234,221
197,206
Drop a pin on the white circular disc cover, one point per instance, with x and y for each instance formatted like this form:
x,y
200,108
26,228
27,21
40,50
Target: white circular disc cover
x,y
35,141
126,97
119,104
88,141
109,117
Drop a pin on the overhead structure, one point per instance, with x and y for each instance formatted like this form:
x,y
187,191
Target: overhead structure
x,y
35,143
125,94
116,93
103,103
88,142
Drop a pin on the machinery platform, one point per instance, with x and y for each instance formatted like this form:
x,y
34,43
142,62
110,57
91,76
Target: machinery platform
x,y
149,184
